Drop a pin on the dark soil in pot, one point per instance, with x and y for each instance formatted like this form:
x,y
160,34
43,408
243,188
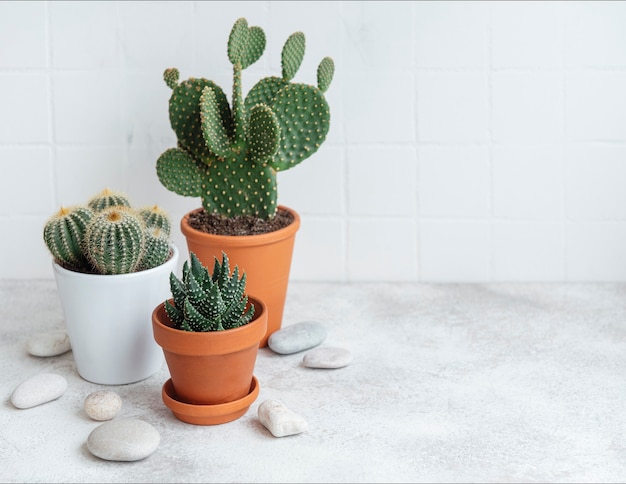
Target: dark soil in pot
x,y
240,225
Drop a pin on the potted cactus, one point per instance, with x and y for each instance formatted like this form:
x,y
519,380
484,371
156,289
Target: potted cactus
x,y
210,331
229,155
111,263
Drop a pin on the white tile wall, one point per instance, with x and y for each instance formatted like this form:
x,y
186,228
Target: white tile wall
x,y
470,141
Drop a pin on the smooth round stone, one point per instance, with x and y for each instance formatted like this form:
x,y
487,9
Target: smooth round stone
x,y
297,337
280,420
38,389
327,357
103,405
50,343
123,440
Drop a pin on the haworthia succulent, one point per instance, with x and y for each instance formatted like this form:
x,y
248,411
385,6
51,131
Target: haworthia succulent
x,y
208,302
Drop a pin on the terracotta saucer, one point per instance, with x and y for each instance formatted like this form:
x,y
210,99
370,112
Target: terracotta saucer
x,y
208,414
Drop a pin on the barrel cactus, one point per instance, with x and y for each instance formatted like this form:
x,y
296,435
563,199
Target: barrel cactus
x,y
229,155
209,302
64,233
114,241
157,218
156,248
108,236
107,198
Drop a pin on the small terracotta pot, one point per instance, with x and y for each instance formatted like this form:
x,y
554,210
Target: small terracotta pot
x,y
214,367
266,259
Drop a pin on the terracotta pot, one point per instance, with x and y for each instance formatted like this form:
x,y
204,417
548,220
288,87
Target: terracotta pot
x,y
210,369
266,259
108,321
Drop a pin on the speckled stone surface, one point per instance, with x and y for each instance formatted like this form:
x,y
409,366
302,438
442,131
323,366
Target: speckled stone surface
x,y
103,405
449,383
123,440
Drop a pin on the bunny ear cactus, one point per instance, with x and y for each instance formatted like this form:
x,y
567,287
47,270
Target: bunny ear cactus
x,y
230,157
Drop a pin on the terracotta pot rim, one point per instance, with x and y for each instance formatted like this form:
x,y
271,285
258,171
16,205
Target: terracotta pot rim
x,y
116,277
229,340
239,240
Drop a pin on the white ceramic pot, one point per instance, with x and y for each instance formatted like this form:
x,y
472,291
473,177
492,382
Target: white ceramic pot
x,y
109,321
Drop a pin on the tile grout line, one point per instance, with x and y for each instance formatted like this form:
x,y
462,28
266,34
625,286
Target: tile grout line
x,y
50,91
564,146
492,250
345,217
418,212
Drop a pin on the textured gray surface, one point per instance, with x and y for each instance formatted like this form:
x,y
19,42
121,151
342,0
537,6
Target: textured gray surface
x,y
449,383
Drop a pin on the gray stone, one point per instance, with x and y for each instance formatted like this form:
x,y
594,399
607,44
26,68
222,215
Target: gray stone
x,y
103,405
297,337
328,357
38,389
280,420
50,343
123,440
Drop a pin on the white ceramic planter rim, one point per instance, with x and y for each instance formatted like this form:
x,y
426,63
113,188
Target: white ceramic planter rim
x,y
109,321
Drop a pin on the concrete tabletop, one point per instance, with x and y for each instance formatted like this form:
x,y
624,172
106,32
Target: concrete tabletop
x,y
499,382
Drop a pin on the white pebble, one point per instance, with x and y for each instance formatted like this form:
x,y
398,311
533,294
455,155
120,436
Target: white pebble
x,y
103,405
50,343
328,357
280,420
39,389
123,440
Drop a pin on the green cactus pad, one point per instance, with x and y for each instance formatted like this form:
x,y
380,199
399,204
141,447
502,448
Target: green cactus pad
x,y
171,76
263,134
245,44
180,173
292,55
264,92
325,73
114,241
237,41
63,234
238,186
213,130
254,46
185,117
304,119
107,198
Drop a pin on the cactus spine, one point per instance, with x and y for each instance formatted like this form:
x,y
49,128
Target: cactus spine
x,y
205,302
113,238
230,158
